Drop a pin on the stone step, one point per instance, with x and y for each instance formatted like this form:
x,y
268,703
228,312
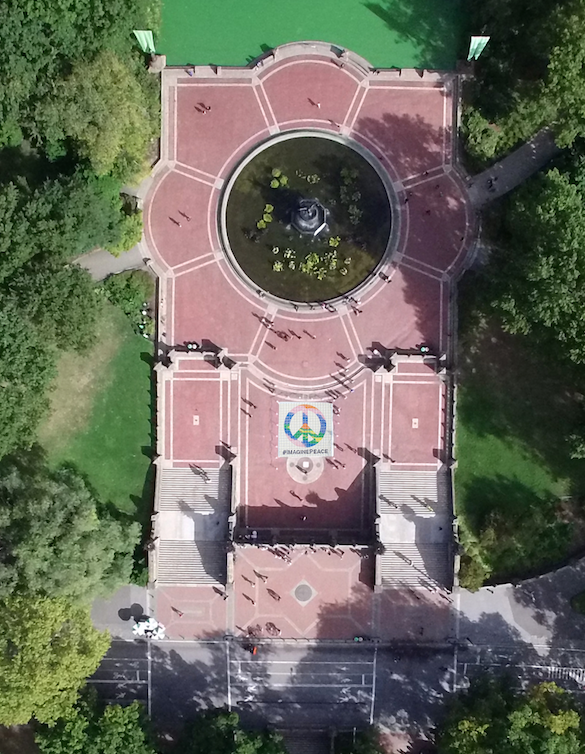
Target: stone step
x,y
185,488
413,492
415,565
183,562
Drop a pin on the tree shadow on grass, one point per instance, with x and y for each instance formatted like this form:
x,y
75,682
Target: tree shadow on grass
x,y
513,387
434,29
518,531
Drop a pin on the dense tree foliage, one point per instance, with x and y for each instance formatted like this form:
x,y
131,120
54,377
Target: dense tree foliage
x,y
219,732
102,108
493,717
56,66
78,112
27,367
92,729
48,304
57,221
55,540
74,84
535,279
539,274
47,649
61,301
530,75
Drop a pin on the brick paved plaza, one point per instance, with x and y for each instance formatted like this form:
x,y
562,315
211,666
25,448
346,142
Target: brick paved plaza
x,y
242,542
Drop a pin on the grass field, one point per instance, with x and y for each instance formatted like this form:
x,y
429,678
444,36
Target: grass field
x,y
100,415
402,33
517,489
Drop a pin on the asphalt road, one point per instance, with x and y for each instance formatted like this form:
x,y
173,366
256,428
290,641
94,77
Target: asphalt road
x,y
288,686
123,675
528,630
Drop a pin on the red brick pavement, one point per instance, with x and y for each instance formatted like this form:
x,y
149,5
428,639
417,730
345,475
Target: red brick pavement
x,y
407,127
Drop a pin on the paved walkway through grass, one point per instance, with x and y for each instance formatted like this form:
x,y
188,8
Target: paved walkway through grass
x,y
402,33
100,263
513,170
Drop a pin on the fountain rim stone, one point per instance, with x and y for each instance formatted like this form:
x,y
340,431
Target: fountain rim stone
x,y
369,157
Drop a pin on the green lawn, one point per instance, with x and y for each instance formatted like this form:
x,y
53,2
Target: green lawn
x,y
403,33
516,407
101,412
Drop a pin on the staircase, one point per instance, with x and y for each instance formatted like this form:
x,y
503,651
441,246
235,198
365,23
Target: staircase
x,y
413,492
193,509
187,488
415,565
191,563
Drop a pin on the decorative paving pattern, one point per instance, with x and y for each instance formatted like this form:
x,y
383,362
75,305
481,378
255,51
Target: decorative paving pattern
x,y
228,416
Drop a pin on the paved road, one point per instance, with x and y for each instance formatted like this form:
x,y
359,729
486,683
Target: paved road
x,y
513,170
118,613
535,613
123,675
528,628
288,686
300,686
564,667
101,263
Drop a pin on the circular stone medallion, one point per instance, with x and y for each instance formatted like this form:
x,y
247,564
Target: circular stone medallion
x,y
305,469
304,592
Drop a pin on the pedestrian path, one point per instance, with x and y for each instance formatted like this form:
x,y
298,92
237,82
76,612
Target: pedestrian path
x,y
513,170
101,264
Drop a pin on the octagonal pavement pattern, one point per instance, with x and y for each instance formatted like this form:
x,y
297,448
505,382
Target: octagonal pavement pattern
x,y
211,119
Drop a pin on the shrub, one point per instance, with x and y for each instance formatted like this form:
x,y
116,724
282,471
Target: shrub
x,y
472,574
482,137
130,233
129,290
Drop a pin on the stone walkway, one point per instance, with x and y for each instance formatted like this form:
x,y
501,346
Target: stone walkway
x,y
512,170
100,263
535,613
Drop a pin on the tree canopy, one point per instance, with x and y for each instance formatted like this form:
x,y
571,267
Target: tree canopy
x,y
27,368
92,729
219,732
537,275
530,75
102,107
55,539
74,86
493,717
47,303
78,114
58,221
48,648
46,57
